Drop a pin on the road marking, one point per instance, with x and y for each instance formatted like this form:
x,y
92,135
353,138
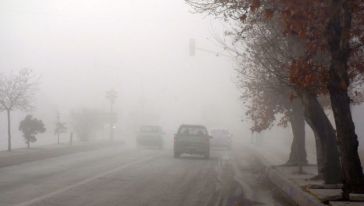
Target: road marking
x,y
59,191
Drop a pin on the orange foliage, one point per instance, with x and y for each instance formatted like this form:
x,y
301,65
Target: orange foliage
x,y
308,21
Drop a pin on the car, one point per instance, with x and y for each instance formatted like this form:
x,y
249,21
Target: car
x,y
221,139
150,136
192,139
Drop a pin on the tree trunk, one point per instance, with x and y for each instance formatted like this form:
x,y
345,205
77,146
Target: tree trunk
x,y
320,124
347,141
9,130
298,155
338,37
319,157
58,138
28,144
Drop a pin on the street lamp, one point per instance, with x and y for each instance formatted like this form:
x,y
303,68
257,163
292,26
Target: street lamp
x,y
111,96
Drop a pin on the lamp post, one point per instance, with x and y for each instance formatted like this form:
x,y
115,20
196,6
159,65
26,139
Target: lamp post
x,y
111,96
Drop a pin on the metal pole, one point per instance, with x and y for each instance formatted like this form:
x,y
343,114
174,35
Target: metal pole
x,y
111,96
71,138
111,122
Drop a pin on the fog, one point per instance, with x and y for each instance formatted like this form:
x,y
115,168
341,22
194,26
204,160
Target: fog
x,y
81,49
148,144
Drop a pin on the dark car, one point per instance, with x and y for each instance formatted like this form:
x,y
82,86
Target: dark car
x,y
150,136
221,139
192,139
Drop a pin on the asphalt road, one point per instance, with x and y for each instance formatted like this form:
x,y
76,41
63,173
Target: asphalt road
x,y
137,177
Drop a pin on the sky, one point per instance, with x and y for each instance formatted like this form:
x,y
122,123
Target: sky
x,y
82,48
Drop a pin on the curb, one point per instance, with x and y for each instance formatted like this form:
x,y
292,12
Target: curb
x,y
293,191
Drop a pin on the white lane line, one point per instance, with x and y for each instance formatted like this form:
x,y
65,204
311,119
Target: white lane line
x,y
59,191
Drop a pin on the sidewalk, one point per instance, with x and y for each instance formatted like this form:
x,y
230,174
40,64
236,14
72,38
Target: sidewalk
x,y
299,187
18,156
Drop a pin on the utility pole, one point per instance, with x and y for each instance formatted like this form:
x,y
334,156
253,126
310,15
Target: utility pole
x,y
58,124
71,138
111,96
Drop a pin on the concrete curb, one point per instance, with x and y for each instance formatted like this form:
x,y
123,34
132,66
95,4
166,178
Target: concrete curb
x,y
292,190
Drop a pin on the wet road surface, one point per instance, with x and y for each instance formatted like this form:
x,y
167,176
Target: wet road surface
x,y
137,177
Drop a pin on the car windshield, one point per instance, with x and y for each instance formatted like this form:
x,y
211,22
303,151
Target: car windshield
x,y
193,131
219,132
151,129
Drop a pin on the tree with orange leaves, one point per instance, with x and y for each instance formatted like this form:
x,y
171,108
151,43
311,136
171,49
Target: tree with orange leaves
x,y
267,84
330,30
334,28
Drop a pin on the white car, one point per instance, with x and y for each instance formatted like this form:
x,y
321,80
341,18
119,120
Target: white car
x,y
221,138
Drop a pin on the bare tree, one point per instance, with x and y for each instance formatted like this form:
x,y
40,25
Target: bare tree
x,y
16,91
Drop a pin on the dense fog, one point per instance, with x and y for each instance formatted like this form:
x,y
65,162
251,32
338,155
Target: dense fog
x,y
181,102
81,49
